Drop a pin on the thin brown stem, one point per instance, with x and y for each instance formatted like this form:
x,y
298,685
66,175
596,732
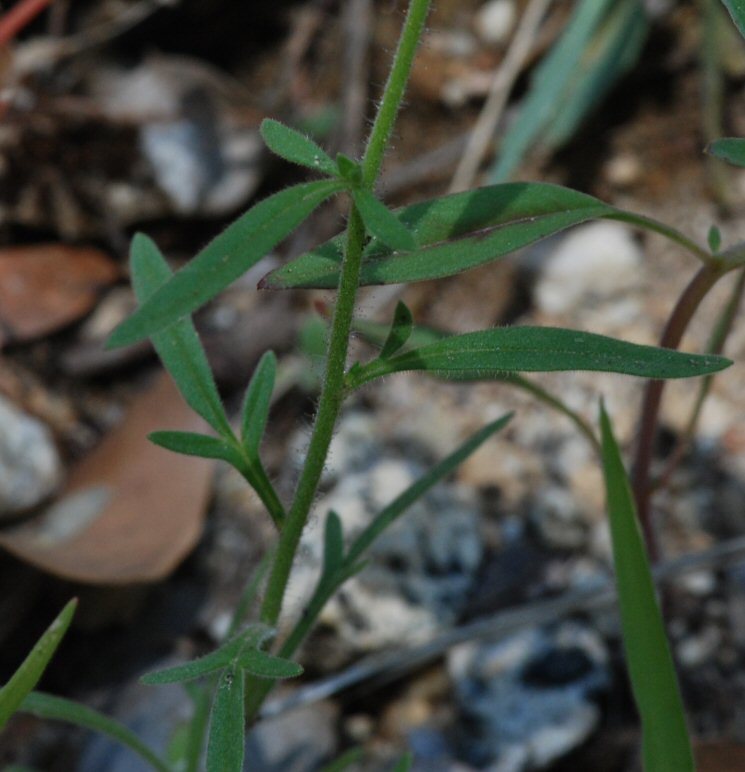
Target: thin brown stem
x,y
677,324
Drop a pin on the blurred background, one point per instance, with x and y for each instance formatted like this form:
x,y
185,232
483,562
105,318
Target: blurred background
x,y
126,115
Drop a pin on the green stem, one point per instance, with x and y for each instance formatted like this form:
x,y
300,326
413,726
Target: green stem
x,y
394,90
332,391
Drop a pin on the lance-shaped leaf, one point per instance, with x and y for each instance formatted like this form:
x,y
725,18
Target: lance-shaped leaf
x,y
665,738
405,763
225,258
192,444
400,332
254,636
492,353
295,147
736,10
178,346
730,149
381,222
350,170
259,663
257,403
226,742
455,233
54,708
32,668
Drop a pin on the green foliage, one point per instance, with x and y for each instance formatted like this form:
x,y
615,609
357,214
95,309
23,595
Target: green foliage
x,y
296,147
736,10
257,403
482,355
730,149
225,746
666,744
401,329
32,668
381,222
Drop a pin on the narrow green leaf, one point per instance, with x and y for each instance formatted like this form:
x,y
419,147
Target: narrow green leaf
x,y
730,149
197,668
714,239
333,545
191,444
415,491
178,346
32,668
403,324
54,708
736,10
257,403
259,663
295,147
226,743
455,233
548,87
665,738
225,258
381,222
492,353
349,170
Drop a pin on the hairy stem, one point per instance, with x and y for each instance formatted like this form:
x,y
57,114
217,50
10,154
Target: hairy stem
x,y
676,326
332,391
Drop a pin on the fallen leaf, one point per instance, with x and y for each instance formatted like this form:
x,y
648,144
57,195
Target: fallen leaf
x,y
719,756
131,511
48,286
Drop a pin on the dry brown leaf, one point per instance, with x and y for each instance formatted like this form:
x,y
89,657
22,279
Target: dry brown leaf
x,y
131,511
47,286
719,756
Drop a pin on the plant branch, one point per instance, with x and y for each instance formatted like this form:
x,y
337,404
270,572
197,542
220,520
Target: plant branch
x,y
676,326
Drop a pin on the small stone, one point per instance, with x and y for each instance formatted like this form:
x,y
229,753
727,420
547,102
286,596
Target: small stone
x,y
494,21
30,467
594,261
558,519
698,649
623,170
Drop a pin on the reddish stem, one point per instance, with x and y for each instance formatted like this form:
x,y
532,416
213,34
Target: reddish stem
x,y
676,326
20,15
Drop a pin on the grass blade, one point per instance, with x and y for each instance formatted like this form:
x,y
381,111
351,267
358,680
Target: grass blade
x,y
197,668
665,738
59,709
191,444
295,147
405,763
178,346
257,402
455,233
333,545
225,258
226,743
492,353
381,222
730,149
32,668
259,663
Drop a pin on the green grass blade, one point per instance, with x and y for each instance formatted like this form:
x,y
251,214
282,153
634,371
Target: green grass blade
x,y
191,444
730,149
345,761
226,742
54,708
381,222
197,668
612,52
400,332
178,346
455,233
549,85
32,668
405,763
296,148
666,744
736,10
225,258
414,492
492,353
333,545
257,402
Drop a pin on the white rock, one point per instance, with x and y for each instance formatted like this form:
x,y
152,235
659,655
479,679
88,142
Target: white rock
x,y
593,261
494,21
30,467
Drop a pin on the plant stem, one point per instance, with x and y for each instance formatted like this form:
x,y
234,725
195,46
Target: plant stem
x,y
332,391
682,314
